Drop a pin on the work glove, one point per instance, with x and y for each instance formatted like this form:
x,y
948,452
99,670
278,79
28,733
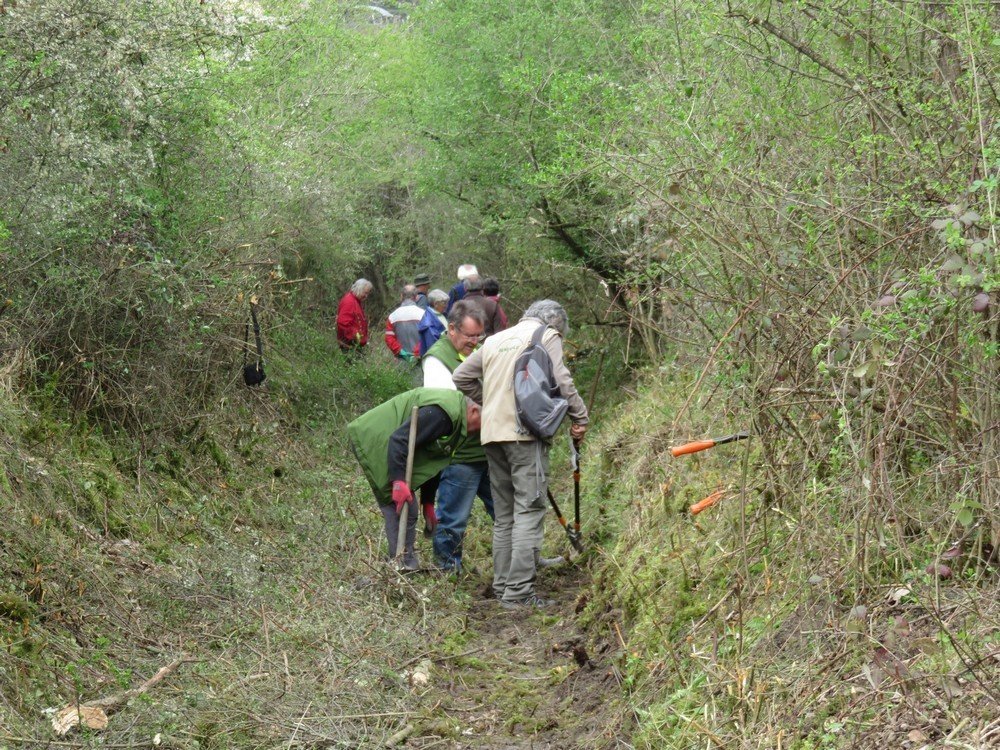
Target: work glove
x,y
407,355
430,518
401,493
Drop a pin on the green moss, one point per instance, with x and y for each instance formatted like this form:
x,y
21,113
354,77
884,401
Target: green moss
x,y
15,607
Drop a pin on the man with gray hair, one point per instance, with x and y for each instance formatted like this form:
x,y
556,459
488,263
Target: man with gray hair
x,y
401,328
518,461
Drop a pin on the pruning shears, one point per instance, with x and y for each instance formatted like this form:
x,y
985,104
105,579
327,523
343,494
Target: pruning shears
x,y
573,534
701,445
574,457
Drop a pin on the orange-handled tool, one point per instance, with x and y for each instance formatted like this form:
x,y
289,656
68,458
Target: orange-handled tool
x,y
707,502
702,445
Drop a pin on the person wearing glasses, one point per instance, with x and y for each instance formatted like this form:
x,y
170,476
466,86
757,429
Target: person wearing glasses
x,y
468,475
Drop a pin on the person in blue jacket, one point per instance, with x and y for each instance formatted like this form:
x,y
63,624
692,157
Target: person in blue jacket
x,y
434,322
465,271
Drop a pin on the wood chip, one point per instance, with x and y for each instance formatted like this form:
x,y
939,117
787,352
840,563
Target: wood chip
x,y
76,716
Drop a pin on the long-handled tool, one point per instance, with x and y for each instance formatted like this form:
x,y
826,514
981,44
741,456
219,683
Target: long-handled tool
x,y
404,514
573,534
701,445
575,458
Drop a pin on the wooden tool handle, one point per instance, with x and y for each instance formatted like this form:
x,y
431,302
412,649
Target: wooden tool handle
x,y
404,515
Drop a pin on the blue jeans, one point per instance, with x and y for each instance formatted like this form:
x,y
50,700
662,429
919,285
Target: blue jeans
x,y
460,483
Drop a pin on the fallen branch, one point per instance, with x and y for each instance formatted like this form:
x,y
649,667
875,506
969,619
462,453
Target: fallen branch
x,y
400,736
114,702
93,714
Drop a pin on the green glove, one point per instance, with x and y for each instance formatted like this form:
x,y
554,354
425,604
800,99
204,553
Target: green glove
x,y
408,356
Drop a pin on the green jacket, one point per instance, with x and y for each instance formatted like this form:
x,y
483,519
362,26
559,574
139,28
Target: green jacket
x,y
471,451
369,436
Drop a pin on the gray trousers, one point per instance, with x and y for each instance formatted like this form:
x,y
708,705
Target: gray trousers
x,y
518,481
410,559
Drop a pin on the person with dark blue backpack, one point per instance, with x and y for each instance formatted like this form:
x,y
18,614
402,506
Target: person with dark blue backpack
x,y
517,428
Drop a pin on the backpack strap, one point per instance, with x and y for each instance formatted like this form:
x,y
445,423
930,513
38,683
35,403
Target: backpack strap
x,y
536,337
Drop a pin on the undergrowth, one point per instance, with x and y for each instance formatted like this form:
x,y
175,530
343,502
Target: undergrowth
x,y
235,548
750,625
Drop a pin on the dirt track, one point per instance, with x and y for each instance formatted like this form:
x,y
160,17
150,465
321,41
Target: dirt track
x,y
521,679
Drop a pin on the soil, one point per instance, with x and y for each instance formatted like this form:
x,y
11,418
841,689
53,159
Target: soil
x,y
523,679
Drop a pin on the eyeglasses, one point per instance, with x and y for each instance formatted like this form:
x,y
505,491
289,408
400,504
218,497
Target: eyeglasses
x,y
470,336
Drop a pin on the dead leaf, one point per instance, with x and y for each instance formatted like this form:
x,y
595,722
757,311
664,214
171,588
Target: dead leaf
x,y
896,596
915,735
874,674
940,570
952,687
927,645
75,716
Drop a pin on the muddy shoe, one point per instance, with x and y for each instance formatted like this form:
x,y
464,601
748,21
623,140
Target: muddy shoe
x,y
532,601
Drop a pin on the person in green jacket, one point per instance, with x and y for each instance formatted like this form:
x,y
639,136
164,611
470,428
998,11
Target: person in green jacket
x,y
380,440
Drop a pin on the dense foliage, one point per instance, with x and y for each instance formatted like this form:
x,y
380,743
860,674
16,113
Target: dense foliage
x,y
789,208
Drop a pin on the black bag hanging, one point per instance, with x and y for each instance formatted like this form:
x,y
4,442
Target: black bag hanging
x,y
253,373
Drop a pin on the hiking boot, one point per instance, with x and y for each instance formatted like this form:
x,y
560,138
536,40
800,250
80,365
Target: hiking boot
x,y
548,562
531,601
447,569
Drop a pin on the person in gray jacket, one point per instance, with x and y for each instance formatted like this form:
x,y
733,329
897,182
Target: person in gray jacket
x,y
401,333
518,462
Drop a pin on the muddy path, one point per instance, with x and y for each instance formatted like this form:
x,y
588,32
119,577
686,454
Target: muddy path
x,y
513,680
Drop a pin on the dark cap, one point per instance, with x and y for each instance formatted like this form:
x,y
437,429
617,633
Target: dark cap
x,y
420,279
